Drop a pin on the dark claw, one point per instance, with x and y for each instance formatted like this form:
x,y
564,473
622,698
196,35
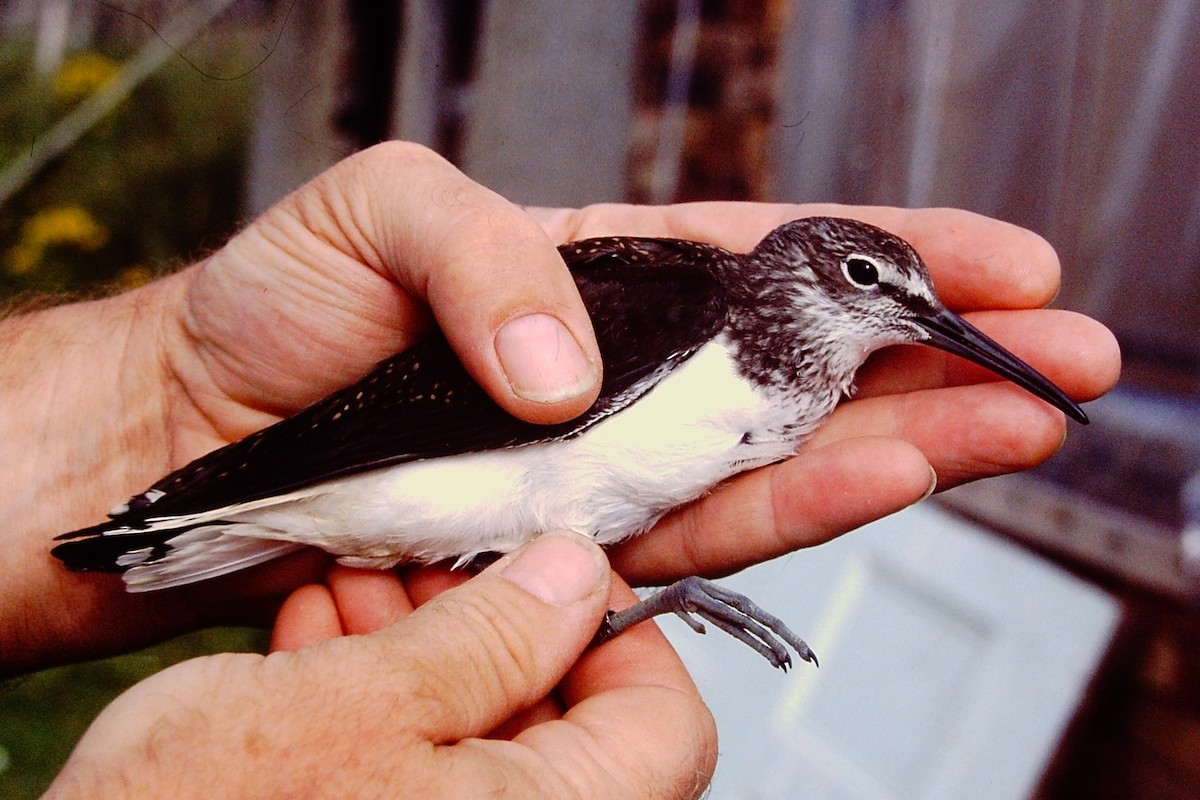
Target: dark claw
x,y
733,613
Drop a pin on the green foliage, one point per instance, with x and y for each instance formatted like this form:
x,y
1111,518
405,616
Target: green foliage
x,y
43,715
159,178
155,181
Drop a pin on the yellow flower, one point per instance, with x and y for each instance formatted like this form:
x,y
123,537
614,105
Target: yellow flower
x,y
21,259
82,74
135,276
57,226
69,225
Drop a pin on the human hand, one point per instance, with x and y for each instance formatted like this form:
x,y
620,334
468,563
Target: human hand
x,y
477,692
337,277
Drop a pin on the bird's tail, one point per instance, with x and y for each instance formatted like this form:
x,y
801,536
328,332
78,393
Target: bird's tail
x,y
97,548
164,557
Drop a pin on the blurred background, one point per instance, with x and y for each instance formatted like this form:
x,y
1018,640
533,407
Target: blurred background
x,y
136,135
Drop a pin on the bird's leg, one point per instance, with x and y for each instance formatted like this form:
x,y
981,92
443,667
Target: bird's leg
x,y
733,613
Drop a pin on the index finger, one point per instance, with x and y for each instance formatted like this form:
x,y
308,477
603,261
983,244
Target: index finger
x,y
976,262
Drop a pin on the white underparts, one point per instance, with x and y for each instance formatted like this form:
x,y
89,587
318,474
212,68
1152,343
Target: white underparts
x,y
700,425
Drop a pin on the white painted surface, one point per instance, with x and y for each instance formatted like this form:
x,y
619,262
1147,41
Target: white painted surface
x,y
951,662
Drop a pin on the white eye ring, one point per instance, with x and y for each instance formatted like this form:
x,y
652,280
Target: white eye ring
x,y
862,271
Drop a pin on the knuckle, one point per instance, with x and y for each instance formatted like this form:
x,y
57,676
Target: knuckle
x,y
395,152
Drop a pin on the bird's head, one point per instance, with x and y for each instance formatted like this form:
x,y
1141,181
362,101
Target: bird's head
x,y
847,288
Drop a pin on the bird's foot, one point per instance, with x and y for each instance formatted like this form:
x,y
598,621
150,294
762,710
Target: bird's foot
x,y
733,613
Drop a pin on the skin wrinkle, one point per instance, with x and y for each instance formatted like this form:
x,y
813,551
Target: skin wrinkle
x,y
298,237
587,775
230,365
348,207
405,163
603,779
147,408
333,267
215,429
518,651
429,697
321,215
377,209
503,769
693,534
169,379
606,766
325,266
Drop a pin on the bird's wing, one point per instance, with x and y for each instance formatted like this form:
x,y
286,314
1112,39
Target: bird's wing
x,y
652,303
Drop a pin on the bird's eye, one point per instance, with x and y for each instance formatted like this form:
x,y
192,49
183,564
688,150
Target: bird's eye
x,y
861,271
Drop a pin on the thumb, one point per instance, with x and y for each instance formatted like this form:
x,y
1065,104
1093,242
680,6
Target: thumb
x,y
503,640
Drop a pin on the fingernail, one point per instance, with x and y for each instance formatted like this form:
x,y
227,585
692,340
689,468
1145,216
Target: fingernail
x,y
932,485
557,568
542,360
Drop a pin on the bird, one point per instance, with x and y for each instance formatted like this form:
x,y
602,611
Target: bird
x,y
714,363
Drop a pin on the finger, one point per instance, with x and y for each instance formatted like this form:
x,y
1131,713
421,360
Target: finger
x,y
308,616
634,720
966,432
976,261
765,513
351,601
545,710
427,582
492,277
473,656
639,656
367,599
636,727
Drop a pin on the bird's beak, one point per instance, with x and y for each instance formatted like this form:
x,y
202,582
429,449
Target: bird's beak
x,y
950,332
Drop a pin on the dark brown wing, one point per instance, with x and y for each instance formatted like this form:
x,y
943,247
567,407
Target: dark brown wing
x,y
653,303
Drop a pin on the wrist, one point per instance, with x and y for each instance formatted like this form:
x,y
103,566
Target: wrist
x,y
86,400
89,389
